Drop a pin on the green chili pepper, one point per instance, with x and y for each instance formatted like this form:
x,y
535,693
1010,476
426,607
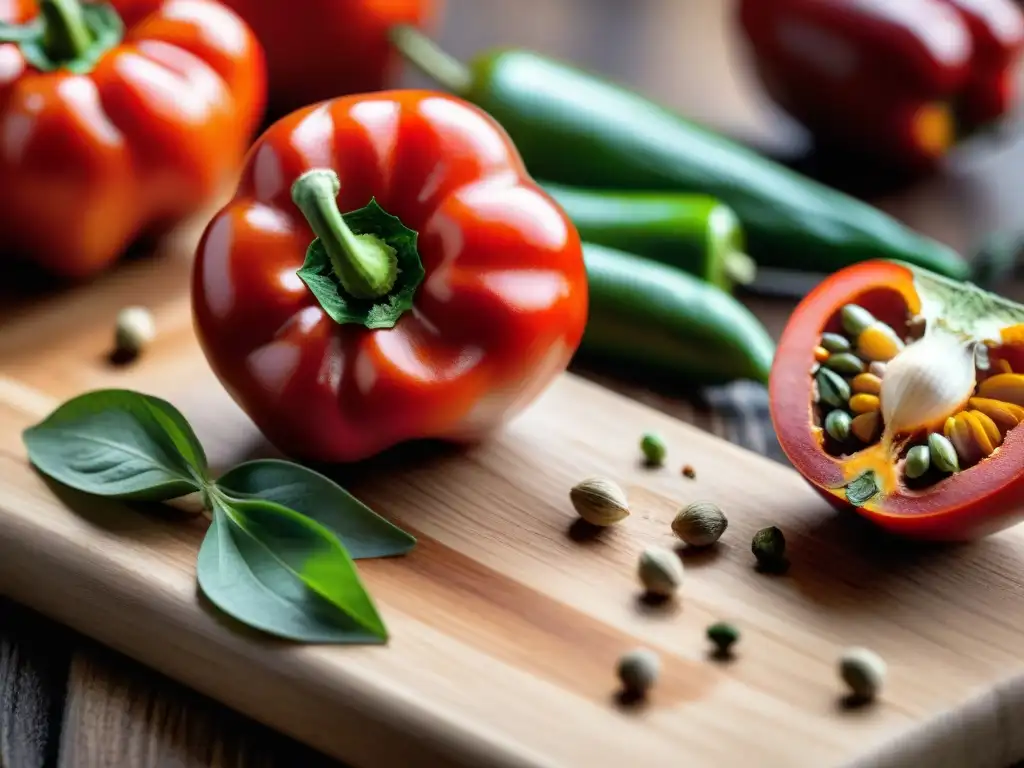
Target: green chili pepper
x,y
653,318
695,233
574,128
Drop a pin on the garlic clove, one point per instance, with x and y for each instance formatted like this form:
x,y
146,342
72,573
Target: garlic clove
x,y
926,382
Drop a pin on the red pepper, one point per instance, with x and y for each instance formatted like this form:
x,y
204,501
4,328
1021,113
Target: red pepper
x,y
933,494
117,121
449,293
901,80
327,48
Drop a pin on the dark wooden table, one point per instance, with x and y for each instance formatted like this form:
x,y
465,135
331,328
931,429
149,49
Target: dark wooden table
x,y
66,701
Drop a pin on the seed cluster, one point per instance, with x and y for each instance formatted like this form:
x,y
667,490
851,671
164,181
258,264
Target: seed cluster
x,y
848,377
848,373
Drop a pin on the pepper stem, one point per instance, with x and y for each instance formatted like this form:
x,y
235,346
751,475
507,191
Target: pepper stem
x,y
431,59
365,265
66,35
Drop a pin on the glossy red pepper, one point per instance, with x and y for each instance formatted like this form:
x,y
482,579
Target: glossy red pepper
x,y
117,121
985,493
322,49
339,347
901,80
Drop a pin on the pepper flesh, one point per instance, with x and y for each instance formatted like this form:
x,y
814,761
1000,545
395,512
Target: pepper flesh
x,y
498,316
92,161
977,501
899,80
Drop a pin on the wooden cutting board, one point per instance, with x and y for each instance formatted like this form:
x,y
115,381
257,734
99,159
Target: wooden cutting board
x,y
506,623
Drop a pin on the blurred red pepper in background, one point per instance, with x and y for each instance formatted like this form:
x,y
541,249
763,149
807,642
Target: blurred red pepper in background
x,y
320,49
899,80
116,121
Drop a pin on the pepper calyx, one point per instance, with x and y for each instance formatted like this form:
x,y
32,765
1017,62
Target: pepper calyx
x,y
363,267
962,307
67,34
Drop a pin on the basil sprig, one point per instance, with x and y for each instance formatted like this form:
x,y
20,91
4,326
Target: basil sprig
x,y
279,553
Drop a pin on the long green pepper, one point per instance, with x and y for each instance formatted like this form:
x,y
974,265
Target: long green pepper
x,y
573,128
695,233
655,319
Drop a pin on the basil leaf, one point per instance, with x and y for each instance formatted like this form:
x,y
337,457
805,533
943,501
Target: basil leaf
x,y
280,572
119,444
362,531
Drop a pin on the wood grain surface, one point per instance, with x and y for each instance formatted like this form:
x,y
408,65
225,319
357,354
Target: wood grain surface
x,y
506,621
684,54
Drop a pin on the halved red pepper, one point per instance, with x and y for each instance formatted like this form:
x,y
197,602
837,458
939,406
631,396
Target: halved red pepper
x,y
875,407
387,271
117,121
903,81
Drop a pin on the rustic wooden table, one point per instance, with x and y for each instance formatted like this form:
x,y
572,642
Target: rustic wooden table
x,y
66,701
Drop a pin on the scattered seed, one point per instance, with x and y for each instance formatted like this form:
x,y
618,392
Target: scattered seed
x,y
820,354
769,547
638,670
724,635
856,319
599,501
832,388
700,524
837,424
879,343
942,453
833,342
919,458
845,363
864,403
660,571
134,329
867,427
689,471
863,671
877,368
653,449
867,383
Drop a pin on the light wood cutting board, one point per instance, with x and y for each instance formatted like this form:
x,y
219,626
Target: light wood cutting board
x,y
506,625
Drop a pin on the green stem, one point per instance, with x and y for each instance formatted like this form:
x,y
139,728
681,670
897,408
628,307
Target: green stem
x,y
428,56
365,265
66,35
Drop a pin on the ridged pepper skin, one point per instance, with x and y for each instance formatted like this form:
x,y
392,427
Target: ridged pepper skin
x,y
91,161
323,49
900,81
499,314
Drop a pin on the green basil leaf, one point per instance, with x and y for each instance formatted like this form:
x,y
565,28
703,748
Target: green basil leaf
x,y
363,532
318,274
120,444
278,571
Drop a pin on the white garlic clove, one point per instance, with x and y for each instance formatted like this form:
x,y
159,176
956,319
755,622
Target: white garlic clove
x,y
926,382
